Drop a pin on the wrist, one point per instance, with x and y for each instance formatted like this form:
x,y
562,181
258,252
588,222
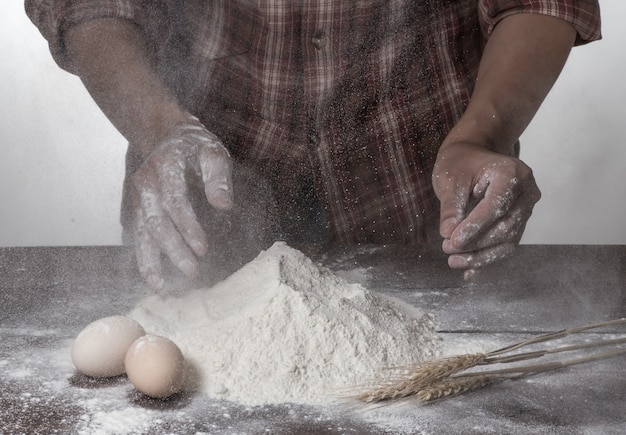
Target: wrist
x,y
159,124
482,129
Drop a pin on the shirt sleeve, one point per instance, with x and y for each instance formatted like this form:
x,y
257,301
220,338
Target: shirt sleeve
x,y
584,15
54,17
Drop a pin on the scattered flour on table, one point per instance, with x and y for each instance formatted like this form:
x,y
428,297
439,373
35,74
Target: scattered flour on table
x,y
284,329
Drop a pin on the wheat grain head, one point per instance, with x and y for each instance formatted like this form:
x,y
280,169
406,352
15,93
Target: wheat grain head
x,y
420,376
453,387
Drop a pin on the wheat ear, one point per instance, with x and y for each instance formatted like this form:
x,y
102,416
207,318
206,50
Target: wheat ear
x,y
453,387
464,383
432,380
420,376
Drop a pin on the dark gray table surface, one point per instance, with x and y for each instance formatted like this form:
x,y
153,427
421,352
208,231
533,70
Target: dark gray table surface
x,y
47,295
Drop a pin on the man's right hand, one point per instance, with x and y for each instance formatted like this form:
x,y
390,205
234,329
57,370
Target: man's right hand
x,y
164,220
113,60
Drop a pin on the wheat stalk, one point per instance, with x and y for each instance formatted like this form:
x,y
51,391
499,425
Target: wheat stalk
x,y
442,378
558,334
500,359
544,367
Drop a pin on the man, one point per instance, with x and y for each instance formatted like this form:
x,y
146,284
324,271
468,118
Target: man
x,y
402,116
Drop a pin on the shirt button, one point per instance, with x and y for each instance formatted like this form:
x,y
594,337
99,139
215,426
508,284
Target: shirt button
x,y
320,39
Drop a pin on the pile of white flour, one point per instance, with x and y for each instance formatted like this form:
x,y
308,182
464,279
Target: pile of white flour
x,y
284,329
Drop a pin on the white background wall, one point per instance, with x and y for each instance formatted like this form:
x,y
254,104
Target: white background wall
x,y
61,161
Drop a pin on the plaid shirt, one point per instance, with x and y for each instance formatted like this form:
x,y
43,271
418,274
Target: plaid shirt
x,y
356,94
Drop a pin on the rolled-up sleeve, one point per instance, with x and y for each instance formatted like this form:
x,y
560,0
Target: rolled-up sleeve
x,y
54,17
583,15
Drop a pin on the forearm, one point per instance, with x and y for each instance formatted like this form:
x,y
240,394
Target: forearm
x,y
522,60
111,58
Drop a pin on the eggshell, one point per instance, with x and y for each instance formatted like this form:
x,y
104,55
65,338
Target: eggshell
x,y
155,366
99,349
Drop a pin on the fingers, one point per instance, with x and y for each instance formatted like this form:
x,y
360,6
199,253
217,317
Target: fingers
x,y
148,254
495,243
453,197
475,261
481,258
216,171
157,229
212,164
173,191
496,197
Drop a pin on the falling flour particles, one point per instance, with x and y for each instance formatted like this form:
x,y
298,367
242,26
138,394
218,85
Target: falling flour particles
x,y
284,329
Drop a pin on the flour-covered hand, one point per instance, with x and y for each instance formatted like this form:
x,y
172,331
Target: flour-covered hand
x,y
486,199
164,220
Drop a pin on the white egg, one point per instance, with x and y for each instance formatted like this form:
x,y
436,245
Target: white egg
x,y
155,366
99,350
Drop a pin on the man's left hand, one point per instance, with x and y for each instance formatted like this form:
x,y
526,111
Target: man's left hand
x,y
486,199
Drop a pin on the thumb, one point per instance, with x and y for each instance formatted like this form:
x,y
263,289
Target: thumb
x,y
452,209
216,167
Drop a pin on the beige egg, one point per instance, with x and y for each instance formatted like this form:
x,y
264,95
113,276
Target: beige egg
x,y
155,366
99,349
